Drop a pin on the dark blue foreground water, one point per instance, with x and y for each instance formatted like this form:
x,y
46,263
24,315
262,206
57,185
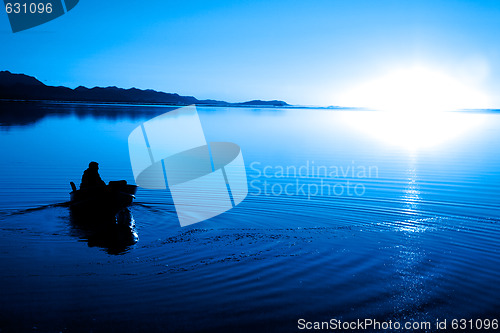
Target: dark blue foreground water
x,y
412,235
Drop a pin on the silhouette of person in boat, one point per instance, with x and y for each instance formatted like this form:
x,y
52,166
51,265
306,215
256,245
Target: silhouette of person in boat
x,y
91,177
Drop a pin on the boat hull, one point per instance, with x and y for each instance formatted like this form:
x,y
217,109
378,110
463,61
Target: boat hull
x,y
103,202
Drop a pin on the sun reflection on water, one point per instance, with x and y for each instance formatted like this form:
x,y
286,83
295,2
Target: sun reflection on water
x,y
413,130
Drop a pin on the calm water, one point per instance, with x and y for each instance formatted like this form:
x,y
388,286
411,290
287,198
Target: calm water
x,y
411,235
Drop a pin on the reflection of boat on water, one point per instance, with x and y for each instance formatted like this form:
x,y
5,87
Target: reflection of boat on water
x,y
114,234
103,201
100,216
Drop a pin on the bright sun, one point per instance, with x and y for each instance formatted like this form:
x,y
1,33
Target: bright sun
x,y
414,102
418,89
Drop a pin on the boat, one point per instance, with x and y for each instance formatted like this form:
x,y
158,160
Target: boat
x,y
103,201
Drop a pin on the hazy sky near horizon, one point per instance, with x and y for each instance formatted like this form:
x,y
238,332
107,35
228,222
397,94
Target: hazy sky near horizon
x,y
303,52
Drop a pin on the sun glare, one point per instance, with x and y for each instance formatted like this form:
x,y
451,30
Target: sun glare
x,y
415,89
414,102
413,131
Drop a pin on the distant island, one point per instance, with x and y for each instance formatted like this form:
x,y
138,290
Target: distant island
x,y
28,88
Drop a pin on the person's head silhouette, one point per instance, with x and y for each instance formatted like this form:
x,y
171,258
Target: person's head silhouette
x,y
94,166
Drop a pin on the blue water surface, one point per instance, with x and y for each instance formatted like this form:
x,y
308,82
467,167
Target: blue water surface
x,y
369,226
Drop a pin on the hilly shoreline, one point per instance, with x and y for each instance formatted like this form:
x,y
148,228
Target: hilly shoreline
x,y
28,88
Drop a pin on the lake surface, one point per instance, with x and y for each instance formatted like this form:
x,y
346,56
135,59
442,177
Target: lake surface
x,y
350,215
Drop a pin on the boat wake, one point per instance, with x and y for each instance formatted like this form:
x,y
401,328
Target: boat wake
x,y
8,213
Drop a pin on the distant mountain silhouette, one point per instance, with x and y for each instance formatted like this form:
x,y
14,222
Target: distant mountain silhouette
x,y
7,78
258,102
28,88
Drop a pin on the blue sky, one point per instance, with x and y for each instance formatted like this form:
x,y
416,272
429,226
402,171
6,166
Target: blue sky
x,y
303,52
